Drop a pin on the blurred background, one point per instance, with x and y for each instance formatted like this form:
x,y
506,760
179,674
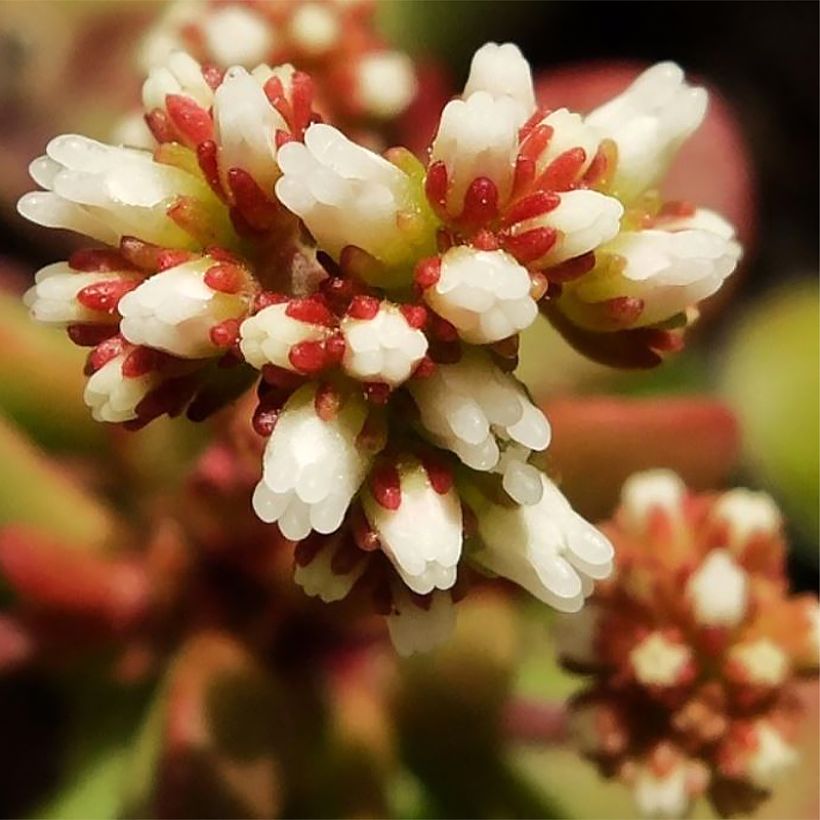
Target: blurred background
x,y
738,406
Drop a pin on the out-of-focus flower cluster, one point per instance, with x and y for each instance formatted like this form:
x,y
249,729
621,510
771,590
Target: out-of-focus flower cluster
x,y
692,649
381,300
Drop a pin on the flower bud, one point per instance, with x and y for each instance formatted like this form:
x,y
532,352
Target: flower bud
x,y
114,396
502,71
718,591
179,75
385,83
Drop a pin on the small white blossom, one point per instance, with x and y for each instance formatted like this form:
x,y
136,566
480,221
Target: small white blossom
x,y
175,310
385,83
345,194
502,71
470,406
648,123
181,74
382,349
477,137
568,131
643,493
763,662
747,513
312,467
416,627
485,294
662,796
425,556
107,192
718,591
771,758
314,27
319,579
114,397
546,548
235,34
657,661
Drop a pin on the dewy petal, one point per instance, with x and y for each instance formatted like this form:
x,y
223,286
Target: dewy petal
x,y
477,137
546,548
175,311
502,71
113,397
425,556
312,467
345,194
415,627
648,123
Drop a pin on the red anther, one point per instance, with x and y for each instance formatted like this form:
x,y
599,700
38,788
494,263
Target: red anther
x,y
623,310
307,549
281,378
225,334
264,419
142,360
535,118
537,204
105,296
103,353
346,558
665,341
442,329
435,187
191,120
225,277
415,315
268,298
598,168
308,357
213,75
88,335
562,173
377,392
480,203
274,91
171,258
438,472
310,310
572,268
485,240
335,347
98,260
424,369
385,484
327,401
363,307
427,272
523,175
256,208
160,126
208,159
363,534
301,97
531,245
538,139
283,138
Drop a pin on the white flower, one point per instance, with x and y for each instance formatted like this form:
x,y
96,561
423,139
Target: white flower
x,y
568,131
420,626
747,513
114,397
469,406
665,795
314,27
345,194
650,491
485,294
477,137
53,297
235,34
502,71
181,75
583,219
245,126
175,311
320,578
648,123
718,591
311,467
657,661
546,548
763,662
385,83
771,758
422,534
107,192
275,334
669,271
384,348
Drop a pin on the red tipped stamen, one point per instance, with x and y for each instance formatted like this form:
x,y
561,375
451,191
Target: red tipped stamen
x,y
105,296
537,204
480,203
312,311
225,278
98,260
160,126
104,353
171,258
562,173
363,307
424,369
427,272
414,315
308,357
249,199
435,188
439,473
86,335
377,392
385,485
142,360
267,298
192,122
225,334
531,245
207,156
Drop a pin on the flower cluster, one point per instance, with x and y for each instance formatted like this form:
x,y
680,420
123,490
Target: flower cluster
x,y
693,649
381,300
